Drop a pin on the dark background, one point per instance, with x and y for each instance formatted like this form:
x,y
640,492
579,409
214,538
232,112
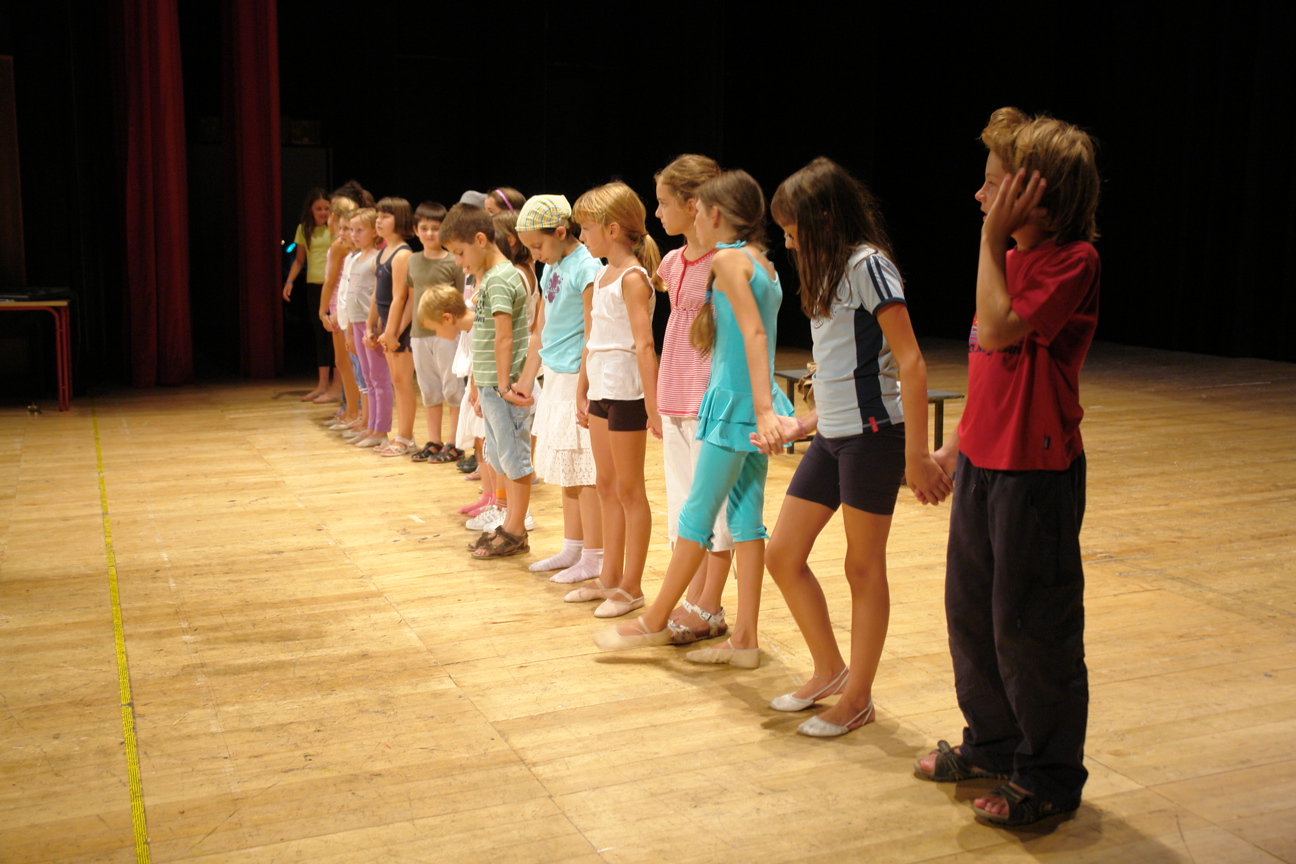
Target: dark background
x,y
1192,108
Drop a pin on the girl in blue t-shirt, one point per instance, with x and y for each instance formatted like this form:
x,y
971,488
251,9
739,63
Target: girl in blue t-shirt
x,y
870,379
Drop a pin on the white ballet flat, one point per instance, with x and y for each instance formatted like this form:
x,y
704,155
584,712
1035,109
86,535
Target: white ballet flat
x,y
817,728
792,702
743,658
611,639
614,608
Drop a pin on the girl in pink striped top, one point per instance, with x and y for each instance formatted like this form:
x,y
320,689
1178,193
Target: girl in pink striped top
x,y
681,380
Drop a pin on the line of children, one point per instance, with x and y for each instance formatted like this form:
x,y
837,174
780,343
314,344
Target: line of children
x,y
1018,655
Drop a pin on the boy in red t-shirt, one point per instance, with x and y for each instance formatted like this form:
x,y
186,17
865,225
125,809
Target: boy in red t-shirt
x,y
1014,585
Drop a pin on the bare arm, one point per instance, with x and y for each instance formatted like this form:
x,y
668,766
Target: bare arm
x,y
299,261
332,276
526,381
927,479
399,305
638,293
582,380
998,326
503,349
733,272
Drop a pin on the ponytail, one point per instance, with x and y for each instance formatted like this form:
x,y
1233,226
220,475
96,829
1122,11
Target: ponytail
x,y
703,331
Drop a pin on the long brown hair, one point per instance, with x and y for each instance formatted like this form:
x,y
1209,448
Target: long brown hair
x,y
308,225
834,214
742,204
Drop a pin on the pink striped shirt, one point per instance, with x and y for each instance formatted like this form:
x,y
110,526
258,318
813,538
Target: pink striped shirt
x,y
684,373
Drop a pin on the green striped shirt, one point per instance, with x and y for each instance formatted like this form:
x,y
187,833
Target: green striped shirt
x,y
502,290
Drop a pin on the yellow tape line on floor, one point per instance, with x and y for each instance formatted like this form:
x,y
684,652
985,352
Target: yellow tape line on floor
x,y
139,825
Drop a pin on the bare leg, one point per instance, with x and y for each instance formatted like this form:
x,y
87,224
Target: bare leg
x,y
866,539
684,563
628,456
613,515
519,496
347,375
799,524
572,529
453,422
433,414
591,516
402,372
749,559
705,592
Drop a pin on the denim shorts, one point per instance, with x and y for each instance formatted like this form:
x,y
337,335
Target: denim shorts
x,y
508,434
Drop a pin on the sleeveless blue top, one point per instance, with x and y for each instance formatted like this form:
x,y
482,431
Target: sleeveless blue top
x,y
727,415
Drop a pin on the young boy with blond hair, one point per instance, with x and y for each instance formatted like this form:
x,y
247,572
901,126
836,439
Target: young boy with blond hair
x,y
1014,584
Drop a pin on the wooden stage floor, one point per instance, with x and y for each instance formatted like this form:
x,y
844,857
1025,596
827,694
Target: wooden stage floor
x,y
319,672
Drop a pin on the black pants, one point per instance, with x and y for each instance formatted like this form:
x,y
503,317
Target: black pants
x,y
1014,600
323,338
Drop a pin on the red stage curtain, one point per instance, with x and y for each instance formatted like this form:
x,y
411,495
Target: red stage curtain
x,y
159,342
251,133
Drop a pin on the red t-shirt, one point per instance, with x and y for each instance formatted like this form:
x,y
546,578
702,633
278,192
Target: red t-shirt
x,y
1023,407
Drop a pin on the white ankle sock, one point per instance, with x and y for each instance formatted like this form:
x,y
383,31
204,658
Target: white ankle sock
x,y
589,566
570,554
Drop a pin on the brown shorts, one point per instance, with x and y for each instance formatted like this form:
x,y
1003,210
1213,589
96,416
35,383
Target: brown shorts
x,y
622,415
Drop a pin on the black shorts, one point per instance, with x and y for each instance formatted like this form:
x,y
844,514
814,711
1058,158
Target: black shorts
x,y
622,415
403,340
861,471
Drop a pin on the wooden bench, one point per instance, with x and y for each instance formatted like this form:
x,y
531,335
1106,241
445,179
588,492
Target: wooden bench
x,y
934,397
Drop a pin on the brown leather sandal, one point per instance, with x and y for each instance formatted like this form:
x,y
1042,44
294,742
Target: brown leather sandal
x,y
502,545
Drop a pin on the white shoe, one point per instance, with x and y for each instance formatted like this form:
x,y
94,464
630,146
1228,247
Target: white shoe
x,y
615,608
816,728
529,523
792,702
487,520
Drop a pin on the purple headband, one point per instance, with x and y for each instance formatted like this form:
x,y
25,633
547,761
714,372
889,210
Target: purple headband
x,y
504,198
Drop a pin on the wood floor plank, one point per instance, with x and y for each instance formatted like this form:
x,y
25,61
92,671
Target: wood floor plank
x,y
321,673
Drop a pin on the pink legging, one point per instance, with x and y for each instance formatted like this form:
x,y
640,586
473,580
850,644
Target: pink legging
x,y
373,363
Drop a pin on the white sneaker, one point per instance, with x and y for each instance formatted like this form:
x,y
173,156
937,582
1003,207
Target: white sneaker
x,y
487,520
529,524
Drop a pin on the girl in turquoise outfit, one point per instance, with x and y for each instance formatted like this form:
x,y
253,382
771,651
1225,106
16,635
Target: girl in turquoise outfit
x,y
738,419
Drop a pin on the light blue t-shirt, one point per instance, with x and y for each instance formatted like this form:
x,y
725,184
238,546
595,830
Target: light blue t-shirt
x,y
563,338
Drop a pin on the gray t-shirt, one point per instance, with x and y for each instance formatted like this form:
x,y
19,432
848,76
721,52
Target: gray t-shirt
x,y
422,272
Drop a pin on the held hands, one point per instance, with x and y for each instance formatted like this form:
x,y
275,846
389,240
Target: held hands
x,y
582,411
769,435
655,424
389,343
371,340
790,428
519,395
1015,205
348,342
947,458
927,479
474,399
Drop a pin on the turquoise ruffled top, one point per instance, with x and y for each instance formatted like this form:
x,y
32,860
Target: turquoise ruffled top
x,y
727,416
